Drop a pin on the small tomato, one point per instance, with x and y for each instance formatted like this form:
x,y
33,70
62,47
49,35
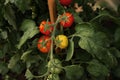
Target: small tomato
x,y
44,44
45,27
62,41
67,20
65,2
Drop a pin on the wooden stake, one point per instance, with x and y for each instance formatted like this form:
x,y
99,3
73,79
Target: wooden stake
x,y
52,10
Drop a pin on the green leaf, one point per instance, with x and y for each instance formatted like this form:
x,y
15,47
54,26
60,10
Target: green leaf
x,y
117,35
101,15
4,35
27,24
18,67
60,8
21,4
82,55
97,69
29,75
109,59
77,18
101,39
42,69
116,71
2,54
30,59
97,46
85,44
115,52
13,61
3,68
104,15
84,29
94,43
9,15
33,58
7,1
25,55
70,50
74,72
33,32
30,30
5,48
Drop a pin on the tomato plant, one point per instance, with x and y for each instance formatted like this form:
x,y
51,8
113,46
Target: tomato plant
x,y
46,27
44,44
82,38
68,20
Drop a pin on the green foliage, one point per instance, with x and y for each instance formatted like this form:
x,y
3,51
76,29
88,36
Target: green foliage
x,y
9,15
117,37
53,77
30,29
93,52
3,68
84,29
77,18
3,35
97,69
117,71
74,72
22,4
29,75
70,50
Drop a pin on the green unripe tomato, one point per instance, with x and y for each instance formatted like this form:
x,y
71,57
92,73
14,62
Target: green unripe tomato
x,y
54,66
53,77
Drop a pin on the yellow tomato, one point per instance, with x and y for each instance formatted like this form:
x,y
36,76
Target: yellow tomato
x,y
62,41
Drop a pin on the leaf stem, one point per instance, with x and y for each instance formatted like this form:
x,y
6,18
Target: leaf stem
x,y
41,75
73,35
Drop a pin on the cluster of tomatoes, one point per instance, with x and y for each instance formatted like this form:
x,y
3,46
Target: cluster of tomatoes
x,y
61,41
46,28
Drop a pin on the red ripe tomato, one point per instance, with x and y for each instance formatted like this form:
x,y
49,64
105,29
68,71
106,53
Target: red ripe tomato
x,y
45,28
68,21
44,44
65,2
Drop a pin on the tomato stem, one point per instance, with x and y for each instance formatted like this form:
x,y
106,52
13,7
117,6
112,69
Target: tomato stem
x,y
51,51
53,37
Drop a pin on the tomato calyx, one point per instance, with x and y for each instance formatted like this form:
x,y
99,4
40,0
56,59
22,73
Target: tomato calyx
x,y
46,27
58,42
67,19
44,44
